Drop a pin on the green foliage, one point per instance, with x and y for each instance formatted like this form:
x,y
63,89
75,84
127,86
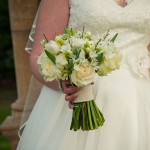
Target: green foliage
x,y
100,58
6,53
70,32
114,38
50,56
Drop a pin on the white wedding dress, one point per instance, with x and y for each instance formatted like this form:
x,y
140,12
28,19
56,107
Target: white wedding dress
x,y
123,96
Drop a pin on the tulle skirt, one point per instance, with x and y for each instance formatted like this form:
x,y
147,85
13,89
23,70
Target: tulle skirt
x,y
125,103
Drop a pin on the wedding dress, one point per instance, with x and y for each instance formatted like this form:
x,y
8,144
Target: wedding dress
x,y
123,96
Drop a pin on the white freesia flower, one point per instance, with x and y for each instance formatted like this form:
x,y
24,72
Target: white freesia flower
x,y
92,45
78,34
61,60
76,42
87,35
52,47
82,55
65,47
93,54
84,75
59,40
108,49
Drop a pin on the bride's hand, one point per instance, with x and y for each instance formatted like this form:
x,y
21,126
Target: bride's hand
x,y
70,91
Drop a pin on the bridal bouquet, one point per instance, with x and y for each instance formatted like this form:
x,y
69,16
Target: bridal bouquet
x,y
76,56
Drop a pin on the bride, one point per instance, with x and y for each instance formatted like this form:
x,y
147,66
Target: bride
x,y
123,96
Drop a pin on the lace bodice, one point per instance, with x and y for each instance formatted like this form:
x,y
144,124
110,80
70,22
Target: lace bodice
x,y
131,22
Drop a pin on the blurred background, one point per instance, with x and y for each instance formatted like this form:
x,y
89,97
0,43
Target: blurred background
x,y
8,91
16,19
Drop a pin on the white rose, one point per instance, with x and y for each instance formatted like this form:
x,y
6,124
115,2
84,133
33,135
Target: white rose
x,y
109,65
52,47
104,69
114,62
42,57
83,76
49,70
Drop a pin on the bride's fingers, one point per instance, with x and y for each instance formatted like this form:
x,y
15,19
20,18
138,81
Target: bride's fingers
x,y
70,105
66,83
71,97
71,90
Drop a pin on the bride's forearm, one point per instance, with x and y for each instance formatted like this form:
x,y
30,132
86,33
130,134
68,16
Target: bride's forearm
x,y
53,16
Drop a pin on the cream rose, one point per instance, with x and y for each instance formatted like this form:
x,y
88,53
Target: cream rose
x,y
104,69
109,65
84,75
41,58
49,70
52,47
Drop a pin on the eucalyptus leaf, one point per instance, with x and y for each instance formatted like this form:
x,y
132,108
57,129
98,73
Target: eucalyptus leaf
x,y
50,56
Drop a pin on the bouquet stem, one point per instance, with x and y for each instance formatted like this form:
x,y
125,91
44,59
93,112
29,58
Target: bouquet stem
x,y
86,115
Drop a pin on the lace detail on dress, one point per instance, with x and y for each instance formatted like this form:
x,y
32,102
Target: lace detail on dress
x,y
140,66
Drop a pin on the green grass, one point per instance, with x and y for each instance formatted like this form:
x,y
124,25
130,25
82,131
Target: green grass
x,y
7,96
4,143
4,112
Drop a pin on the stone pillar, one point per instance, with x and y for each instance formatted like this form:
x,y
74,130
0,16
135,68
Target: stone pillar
x,y
22,13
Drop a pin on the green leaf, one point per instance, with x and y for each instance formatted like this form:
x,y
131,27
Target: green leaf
x,y
69,31
76,51
114,38
70,65
50,56
100,58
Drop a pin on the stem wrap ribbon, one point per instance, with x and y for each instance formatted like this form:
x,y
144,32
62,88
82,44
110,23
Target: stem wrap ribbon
x,y
85,94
